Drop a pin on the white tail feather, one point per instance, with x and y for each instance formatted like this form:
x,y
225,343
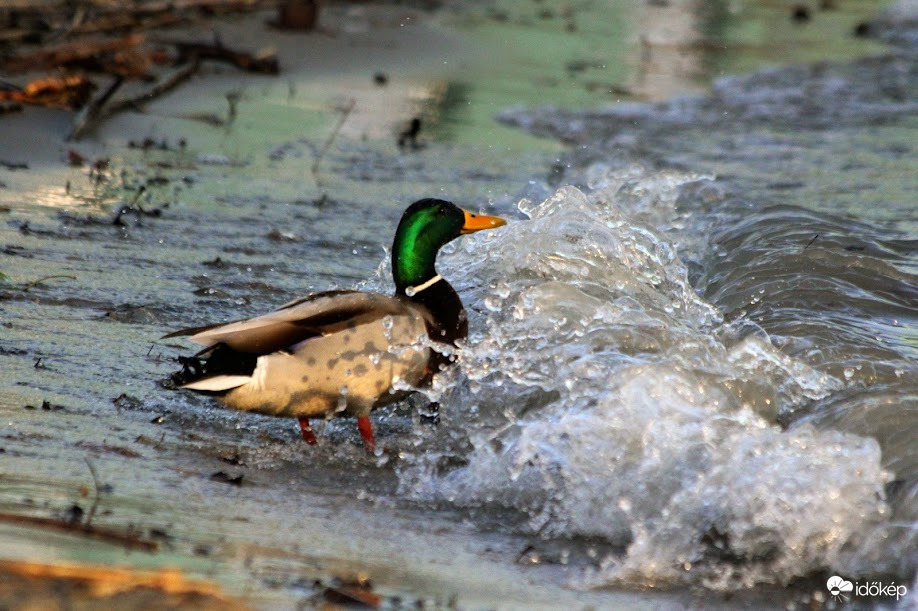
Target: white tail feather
x,y
218,383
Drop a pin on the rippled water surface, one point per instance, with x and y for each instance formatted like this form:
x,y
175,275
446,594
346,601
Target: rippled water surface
x,y
692,364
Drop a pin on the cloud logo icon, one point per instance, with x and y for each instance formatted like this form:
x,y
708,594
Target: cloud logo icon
x,y
838,586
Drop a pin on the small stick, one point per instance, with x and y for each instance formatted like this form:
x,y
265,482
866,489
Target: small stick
x,y
811,241
97,490
34,283
345,113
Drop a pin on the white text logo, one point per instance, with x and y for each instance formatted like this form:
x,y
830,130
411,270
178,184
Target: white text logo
x,y
840,589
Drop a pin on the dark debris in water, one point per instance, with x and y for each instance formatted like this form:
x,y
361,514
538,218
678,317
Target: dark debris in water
x,y
16,251
352,592
128,402
74,514
210,291
232,459
46,406
216,263
14,165
225,478
109,449
277,235
133,314
801,13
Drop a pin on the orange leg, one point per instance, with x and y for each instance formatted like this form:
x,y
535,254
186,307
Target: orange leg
x,y
366,432
308,436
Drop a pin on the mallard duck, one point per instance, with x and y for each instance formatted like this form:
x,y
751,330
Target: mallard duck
x,y
343,352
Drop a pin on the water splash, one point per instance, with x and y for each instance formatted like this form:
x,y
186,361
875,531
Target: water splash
x,y
601,396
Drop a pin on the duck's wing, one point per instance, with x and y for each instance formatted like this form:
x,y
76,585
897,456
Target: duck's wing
x,y
315,315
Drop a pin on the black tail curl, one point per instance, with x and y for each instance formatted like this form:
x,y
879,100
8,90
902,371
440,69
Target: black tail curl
x,y
213,361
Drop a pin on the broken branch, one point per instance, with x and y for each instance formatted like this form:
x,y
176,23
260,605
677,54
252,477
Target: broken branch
x,y
263,63
87,122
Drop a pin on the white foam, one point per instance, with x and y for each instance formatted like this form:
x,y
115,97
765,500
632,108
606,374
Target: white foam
x,y
602,396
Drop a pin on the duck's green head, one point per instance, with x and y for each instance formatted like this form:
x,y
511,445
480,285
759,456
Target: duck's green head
x,y
425,227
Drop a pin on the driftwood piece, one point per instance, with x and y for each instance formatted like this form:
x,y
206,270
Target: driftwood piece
x,y
101,585
59,18
61,27
264,62
71,53
69,92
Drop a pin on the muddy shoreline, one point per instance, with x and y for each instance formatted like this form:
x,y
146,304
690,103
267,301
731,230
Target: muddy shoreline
x,y
211,222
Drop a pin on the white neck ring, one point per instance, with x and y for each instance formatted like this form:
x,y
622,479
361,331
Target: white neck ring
x,y
411,291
